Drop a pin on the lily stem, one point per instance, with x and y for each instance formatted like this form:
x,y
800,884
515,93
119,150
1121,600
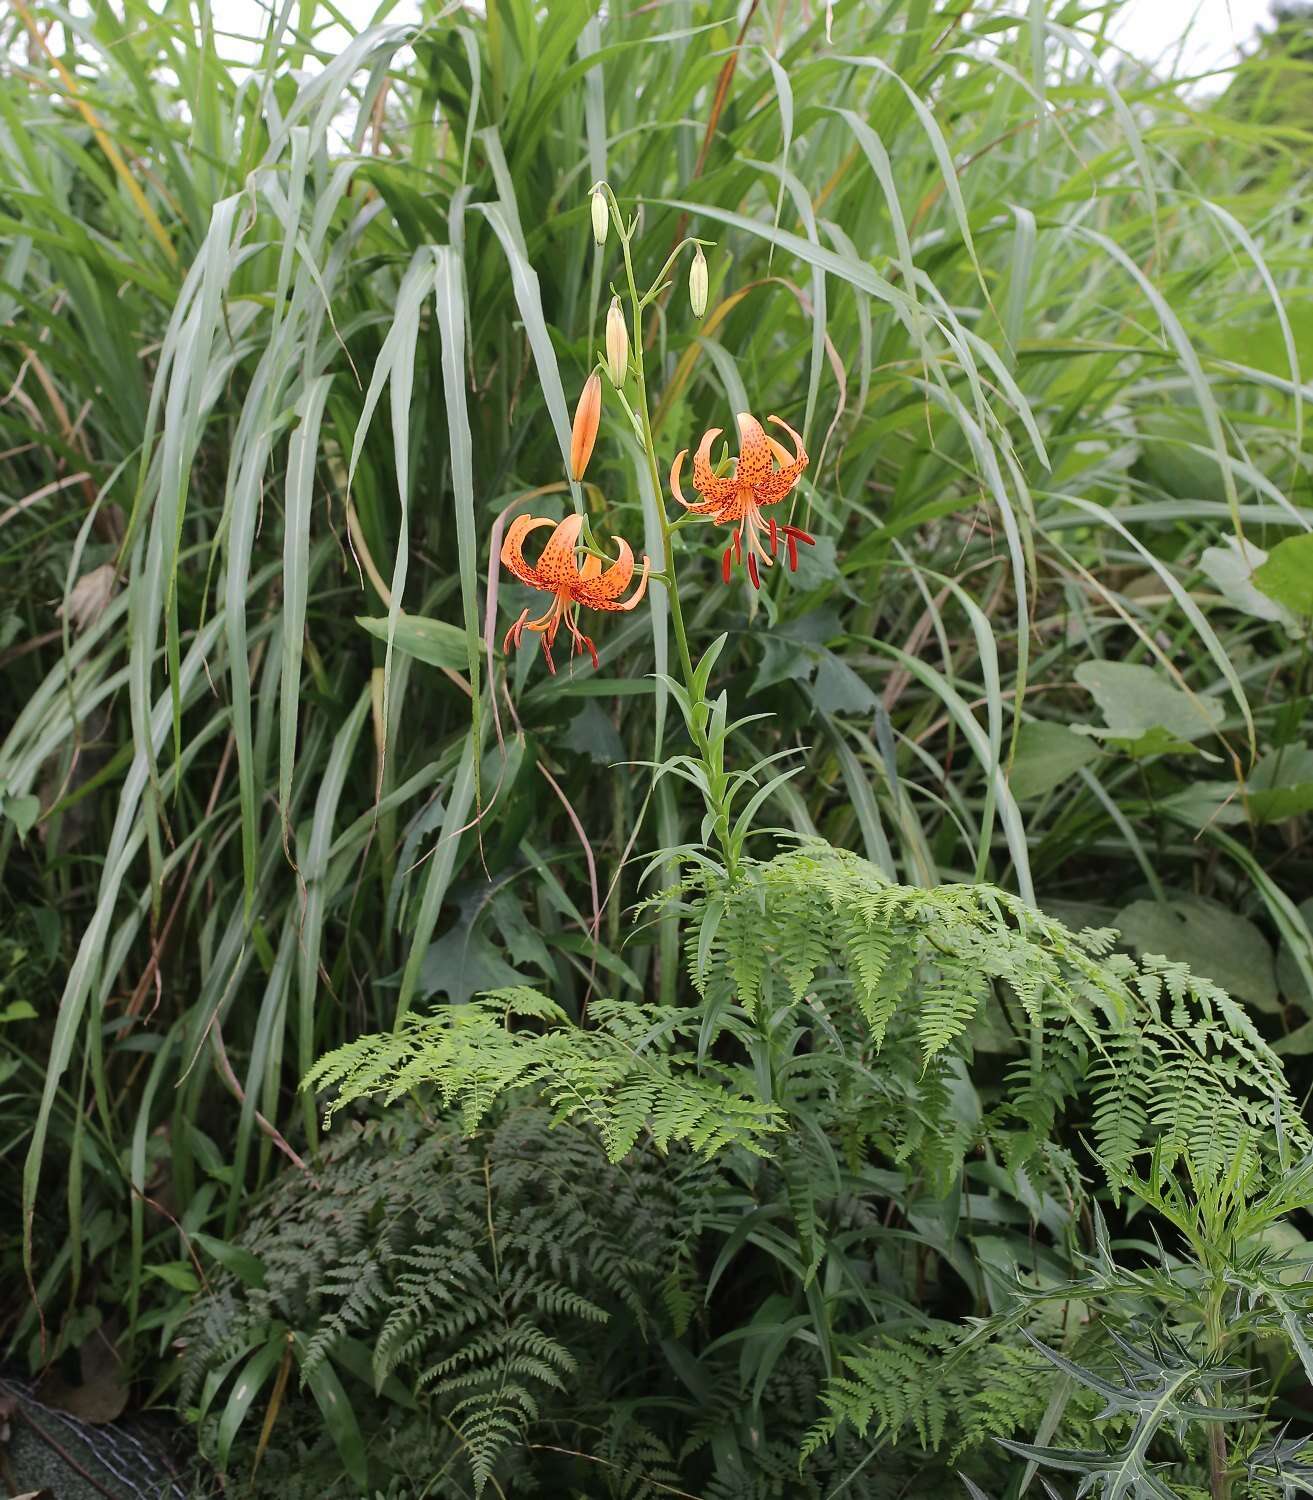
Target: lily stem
x,y
701,708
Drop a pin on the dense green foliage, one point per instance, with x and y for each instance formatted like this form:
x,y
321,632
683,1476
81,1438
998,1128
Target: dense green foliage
x,y
951,1126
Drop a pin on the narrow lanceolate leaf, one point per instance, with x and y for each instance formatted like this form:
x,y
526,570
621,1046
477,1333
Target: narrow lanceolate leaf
x,y
126,839
1043,315
432,641
450,302
314,872
528,297
395,367
302,455
441,864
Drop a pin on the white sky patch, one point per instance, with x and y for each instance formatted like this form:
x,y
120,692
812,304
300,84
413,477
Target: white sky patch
x,y
243,24
1190,36
1175,36
1203,34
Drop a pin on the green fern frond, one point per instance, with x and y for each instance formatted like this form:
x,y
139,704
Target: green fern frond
x,y
623,1076
1168,1058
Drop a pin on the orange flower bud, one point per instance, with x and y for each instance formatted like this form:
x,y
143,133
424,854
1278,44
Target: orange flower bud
x,y
617,345
587,416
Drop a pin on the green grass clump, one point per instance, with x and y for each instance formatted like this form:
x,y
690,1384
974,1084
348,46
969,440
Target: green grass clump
x,y
292,322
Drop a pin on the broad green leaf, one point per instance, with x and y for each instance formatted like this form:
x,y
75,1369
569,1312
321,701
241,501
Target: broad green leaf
x,y
783,659
462,963
22,812
1143,712
839,690
177,1273
1203,803
465,961
1287,575
339,1417
247,1268
1047,754
1281,784
250,1382
1231,568
592,733
1170,459
1213,940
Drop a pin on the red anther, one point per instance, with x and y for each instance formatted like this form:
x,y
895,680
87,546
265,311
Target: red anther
x,y
752,571
738,550
547,652
516,632
793,552
802,536
774,537
592,650
724,565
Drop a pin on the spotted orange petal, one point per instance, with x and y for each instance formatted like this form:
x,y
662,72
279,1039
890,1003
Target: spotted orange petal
x,y
512,550
704,479
778,482
557,567
695,507
600,590
754,452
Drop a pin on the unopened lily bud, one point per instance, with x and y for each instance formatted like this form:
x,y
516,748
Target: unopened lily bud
x,y
601,216
617,345
587,415
697,283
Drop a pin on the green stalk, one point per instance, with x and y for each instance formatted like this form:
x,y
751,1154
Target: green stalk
x,y
712,758
1219,1477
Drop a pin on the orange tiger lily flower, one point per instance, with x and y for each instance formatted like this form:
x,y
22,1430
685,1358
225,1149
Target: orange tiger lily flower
x,y
573,585
741,496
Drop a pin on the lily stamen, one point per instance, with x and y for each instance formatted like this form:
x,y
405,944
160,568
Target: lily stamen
x,y
573,586
740,496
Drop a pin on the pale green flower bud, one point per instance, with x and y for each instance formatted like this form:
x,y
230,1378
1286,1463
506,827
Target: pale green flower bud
x,y
697,283
601,215
617,345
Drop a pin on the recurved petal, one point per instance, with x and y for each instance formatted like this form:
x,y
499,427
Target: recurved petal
x,y
799,452
634,598
704,480
512,549
780,481
777,485
754,452
782,455
595,587
556,567
696,507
